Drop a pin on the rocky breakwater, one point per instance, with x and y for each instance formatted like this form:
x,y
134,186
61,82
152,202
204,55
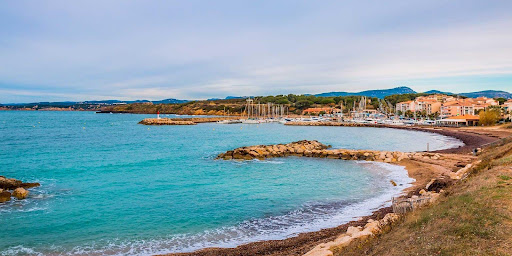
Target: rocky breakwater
x,y
184,121
298,148
314,148
299,123
14,188
165,121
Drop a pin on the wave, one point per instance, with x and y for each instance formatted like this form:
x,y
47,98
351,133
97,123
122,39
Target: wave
x,y
310,217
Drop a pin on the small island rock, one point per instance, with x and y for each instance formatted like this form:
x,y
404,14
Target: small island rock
x,y
20,193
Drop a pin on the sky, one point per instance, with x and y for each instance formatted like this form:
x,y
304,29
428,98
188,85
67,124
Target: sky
x,y
127,50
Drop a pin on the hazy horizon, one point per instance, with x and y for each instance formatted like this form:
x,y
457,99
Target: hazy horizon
x,y
223,97
154,50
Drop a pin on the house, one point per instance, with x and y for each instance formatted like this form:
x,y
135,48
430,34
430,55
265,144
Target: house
x,y
405,106
462,120
430,106
507,105
457,108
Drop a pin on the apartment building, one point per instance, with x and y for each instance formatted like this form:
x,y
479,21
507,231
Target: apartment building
x,y
447,105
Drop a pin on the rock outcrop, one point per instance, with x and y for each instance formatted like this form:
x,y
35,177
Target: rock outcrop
x,y
19,189
30,185
6,183
11,184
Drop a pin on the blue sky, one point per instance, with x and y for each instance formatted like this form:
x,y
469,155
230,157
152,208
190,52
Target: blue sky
x,y
84,50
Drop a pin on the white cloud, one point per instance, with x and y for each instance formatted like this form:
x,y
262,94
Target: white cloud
x,y
155,50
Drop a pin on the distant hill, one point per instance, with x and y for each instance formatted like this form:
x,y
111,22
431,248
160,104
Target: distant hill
x,y
170,101
404,90
229,98
91,102
370,93
438,92
488,94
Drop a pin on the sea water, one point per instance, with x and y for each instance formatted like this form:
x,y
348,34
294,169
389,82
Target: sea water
x,y
110,186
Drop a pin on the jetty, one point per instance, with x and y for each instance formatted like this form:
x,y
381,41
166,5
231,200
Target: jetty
x,y
331,123
183,121
306,148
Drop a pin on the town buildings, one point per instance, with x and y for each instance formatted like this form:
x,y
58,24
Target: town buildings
x,y
446,105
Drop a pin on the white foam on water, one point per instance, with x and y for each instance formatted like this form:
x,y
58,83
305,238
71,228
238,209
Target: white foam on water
x,y
19,250
310,217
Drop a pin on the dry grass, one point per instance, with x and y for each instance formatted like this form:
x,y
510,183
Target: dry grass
x,y
475,218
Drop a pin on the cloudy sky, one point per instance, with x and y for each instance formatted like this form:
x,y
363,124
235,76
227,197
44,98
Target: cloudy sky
x,y
84,50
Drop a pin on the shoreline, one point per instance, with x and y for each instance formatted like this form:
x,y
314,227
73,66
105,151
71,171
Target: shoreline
x,y
421,171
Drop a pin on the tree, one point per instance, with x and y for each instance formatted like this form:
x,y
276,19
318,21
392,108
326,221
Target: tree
x,y
489,117
303,104
501,100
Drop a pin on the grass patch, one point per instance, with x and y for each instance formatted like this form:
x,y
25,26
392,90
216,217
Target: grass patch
x,y
474,219
503,161
504,177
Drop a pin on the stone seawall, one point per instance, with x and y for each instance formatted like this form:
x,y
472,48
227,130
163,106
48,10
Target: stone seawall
x,y
316,149
165,121
334,124
184,121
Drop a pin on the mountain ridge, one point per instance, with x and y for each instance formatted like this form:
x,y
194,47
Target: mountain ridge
x,y
380,93
404,89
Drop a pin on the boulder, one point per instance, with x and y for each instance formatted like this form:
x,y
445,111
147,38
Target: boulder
x,y
343,240
254,153
437,184
5,196
373,227
20,193
6,183
389,218
353,230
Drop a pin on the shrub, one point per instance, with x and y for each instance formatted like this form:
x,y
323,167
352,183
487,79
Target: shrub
x,y
489,117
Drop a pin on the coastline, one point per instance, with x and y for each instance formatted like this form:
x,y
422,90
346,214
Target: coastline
x,y
421,171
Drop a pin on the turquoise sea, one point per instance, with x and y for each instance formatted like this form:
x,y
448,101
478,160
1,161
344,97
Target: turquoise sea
x,y
110,186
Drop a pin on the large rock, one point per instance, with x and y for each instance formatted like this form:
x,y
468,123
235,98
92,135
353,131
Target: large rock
x,y
5,196
30,185
6,183
438,184
20,193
